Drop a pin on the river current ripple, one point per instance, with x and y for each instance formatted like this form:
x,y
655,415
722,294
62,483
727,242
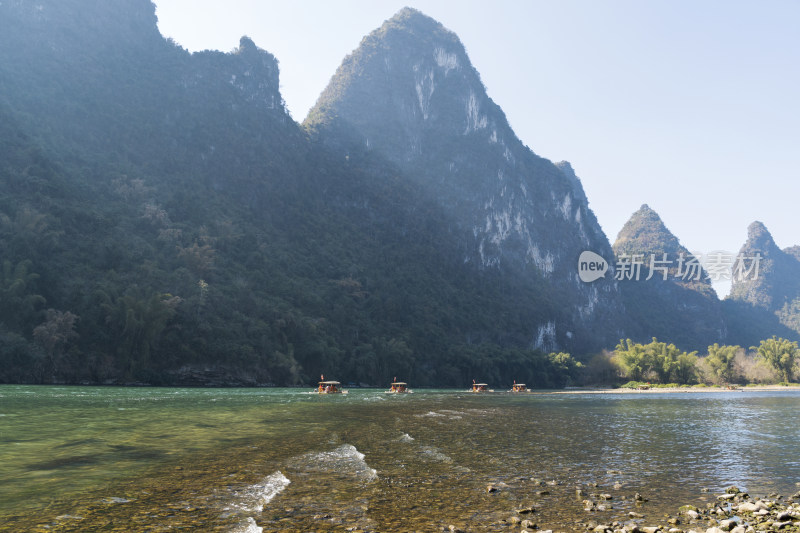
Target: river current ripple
x,y
252,460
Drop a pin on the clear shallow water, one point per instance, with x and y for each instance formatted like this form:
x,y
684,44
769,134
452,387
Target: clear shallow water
x,y
245,460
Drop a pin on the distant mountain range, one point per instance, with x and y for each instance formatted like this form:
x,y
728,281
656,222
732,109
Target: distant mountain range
x,y
163,220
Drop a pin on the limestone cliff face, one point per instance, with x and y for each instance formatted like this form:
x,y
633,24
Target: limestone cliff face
x,y
410,94
776,282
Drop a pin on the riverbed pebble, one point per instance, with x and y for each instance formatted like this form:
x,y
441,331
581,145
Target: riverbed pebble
x,y
735,512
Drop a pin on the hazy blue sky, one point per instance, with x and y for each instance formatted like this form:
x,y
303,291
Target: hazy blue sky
x,y
690,107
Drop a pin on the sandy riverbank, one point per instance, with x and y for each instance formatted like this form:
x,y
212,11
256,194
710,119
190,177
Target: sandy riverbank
x,y
660,390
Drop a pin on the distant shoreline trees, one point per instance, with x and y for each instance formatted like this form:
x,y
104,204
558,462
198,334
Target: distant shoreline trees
x,y
773,361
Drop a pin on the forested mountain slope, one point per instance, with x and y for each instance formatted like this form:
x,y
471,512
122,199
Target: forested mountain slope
x,y
165,221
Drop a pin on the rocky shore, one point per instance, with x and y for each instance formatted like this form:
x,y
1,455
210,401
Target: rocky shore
x,y
732,512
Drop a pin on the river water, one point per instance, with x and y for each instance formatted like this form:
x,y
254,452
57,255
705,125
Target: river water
x,y
250,460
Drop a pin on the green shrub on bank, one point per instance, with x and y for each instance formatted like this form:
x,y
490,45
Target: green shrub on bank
x,y
662,365
780,354
634,385
656,361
